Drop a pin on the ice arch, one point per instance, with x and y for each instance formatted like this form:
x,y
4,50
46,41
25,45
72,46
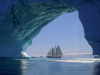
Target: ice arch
x,y
22,20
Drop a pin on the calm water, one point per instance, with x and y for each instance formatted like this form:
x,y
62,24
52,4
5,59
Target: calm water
x,y
50,66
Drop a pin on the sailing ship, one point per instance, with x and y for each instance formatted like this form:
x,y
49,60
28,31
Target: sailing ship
x,y
55,52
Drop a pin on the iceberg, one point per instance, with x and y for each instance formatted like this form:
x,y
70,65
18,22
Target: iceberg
x,y
89,15
22,20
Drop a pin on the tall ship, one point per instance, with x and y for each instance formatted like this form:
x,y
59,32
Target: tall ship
x,y
55,52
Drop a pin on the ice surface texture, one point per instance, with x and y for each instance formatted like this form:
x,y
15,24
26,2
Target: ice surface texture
x,y
22,20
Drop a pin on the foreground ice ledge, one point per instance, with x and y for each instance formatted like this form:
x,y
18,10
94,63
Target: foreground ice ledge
x,y
12,50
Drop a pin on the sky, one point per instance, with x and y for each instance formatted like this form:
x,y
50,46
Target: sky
x,y
66,31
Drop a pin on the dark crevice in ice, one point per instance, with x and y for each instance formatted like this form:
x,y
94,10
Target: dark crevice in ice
x,y
15,20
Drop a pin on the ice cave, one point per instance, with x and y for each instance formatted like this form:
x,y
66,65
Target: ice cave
x,y
22,20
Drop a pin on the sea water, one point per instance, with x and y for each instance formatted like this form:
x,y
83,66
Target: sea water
x,y
50,66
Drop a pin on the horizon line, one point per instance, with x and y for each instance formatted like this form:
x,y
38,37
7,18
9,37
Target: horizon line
x,y
76,53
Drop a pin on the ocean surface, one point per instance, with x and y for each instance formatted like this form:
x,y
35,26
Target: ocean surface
x,y
50,66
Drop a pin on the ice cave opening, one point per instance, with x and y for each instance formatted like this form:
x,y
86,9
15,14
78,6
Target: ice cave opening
x,y
67,31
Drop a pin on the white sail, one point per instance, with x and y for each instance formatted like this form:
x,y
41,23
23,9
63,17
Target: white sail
x,y
50,52
53,52
58,51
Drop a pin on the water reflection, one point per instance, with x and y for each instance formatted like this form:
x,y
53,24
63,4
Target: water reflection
x,y
10,67
47,67
97,69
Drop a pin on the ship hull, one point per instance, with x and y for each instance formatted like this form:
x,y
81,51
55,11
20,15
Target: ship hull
x,y
54,56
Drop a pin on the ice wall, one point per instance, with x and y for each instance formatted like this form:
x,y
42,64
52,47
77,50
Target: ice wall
x,y
22,20
89,14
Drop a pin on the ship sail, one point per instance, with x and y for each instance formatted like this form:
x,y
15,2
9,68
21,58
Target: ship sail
x,y
58,51
49,53
54,51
